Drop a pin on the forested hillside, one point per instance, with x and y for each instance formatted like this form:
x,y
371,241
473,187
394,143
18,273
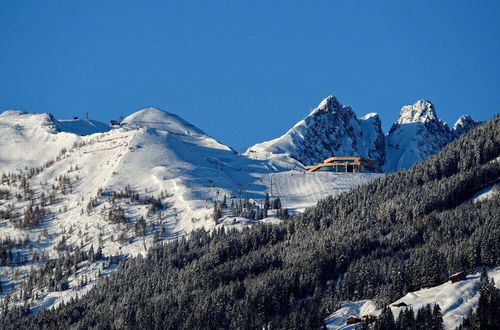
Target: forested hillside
x,y
402,232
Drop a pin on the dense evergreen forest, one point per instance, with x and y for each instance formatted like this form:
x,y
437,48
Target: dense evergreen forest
x,y
402,232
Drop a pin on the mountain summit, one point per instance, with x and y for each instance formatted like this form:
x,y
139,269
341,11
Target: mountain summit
x,y
161,120
417,134
464,124
330,129
422,111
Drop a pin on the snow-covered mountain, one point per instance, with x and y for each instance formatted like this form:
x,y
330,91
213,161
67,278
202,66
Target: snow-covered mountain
x,y
464,124
124,189
29,140
333,129
156,177
330,129
417,134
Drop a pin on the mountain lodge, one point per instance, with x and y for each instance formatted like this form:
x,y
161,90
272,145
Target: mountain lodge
x,y
345,164
461,276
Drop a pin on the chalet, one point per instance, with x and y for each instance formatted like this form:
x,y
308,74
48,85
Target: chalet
x,y
368,318
401,304
353,320
461,276
114,123
345,164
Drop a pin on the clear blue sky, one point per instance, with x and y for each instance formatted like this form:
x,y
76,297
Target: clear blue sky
x,y
246,71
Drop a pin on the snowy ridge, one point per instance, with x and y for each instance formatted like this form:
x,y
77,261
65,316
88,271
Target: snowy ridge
x,y
419,133
29,140
333,129
32,139
464,124
330,129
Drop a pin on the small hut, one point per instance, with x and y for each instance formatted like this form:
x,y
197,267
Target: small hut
x,y
353,320
460,276
400,304
368,318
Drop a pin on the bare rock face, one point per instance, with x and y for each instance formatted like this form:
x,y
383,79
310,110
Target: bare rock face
x,y
374,137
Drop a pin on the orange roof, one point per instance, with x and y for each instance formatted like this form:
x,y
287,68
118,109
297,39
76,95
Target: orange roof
x,y
331,161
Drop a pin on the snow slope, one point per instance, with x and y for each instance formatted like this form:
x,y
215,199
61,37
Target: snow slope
x,y
81,126
29,140
350,308
298,190
486,193
87,167
455,299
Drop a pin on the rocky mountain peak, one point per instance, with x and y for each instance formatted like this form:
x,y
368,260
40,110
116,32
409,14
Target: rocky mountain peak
x,y
371,116
417,134
422,111
464,124
331,129
329,103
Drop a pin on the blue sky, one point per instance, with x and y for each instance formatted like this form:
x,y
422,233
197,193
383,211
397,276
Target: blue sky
x,y
246,71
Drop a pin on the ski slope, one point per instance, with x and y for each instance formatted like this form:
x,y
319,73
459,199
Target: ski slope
x,y
299,190
456,300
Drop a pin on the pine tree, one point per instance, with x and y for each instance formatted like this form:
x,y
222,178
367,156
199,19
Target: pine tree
x,y
277,203
385,320
267,202
406,320
437,318
423,319
484,297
